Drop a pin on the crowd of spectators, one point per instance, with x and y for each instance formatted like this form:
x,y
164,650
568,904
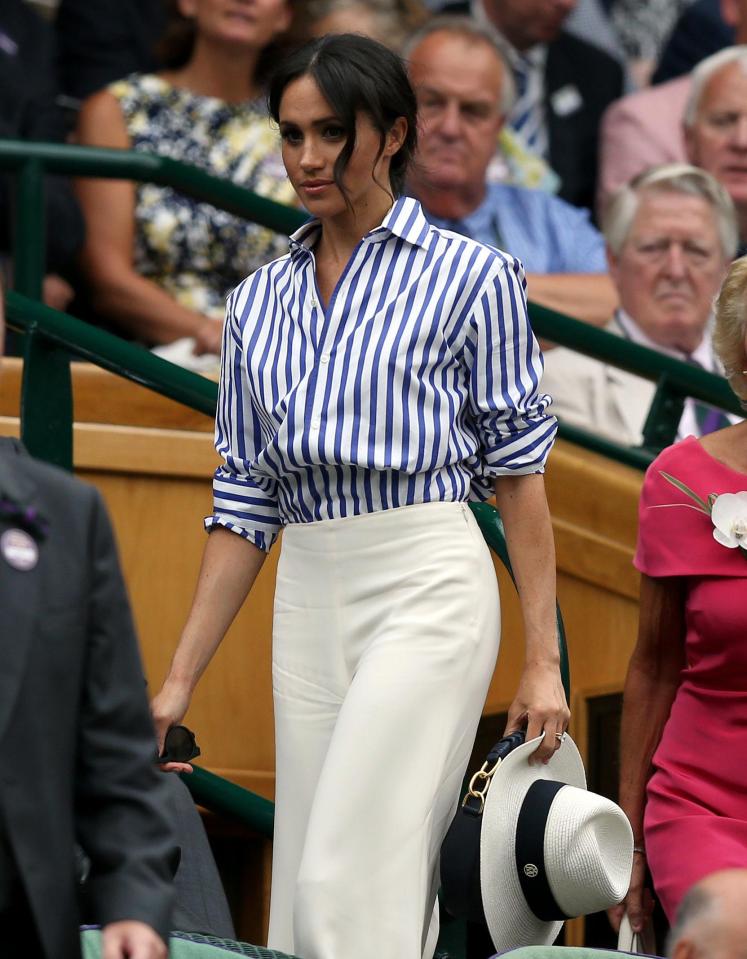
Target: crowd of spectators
x,y
602,142
531,123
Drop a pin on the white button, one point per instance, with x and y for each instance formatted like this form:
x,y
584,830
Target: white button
x,y
313,303
315,424
325,357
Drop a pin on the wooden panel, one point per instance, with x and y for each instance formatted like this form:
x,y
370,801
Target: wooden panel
x,y
156,481
102,397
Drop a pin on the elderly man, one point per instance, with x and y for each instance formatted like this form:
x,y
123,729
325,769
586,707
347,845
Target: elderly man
x,y
645,128
711,921
670,238
563,85
464,89
716,125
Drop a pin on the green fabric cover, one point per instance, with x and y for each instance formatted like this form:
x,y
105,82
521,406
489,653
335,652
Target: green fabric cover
x,y
562,952
189,945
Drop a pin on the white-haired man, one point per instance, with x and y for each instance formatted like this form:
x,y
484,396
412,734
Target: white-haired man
x,y
670,235
645,128
464,89
711,921
715,124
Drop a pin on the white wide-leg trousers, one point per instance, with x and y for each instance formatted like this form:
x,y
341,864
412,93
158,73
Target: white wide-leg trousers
x,y
386,633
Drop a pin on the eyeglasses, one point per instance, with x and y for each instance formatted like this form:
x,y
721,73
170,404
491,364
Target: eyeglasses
x,y
179,746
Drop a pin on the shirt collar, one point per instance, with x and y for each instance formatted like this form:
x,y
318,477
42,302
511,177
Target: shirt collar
x,y
702,354
405,219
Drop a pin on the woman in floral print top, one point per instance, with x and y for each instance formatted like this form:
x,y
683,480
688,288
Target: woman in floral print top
x,y
160,264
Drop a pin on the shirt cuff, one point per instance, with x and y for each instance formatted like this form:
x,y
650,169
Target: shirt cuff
x,y
261,539
523,452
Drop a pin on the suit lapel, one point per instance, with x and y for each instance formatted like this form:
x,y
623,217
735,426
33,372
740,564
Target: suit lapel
x,y
630,395
20,591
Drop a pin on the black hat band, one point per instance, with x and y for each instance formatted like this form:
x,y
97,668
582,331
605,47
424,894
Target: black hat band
x,y
530,849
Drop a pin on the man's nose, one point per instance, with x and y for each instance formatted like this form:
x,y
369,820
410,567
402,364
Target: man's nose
x,y
739,133
675,265
451,125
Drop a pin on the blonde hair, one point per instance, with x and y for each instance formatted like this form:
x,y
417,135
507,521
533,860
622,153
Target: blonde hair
x,y
731,327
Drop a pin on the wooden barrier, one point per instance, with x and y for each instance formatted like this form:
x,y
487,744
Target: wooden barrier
x,y
153,462
156,482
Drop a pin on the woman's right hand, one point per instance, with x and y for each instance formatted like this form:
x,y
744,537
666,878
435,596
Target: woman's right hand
x,y
639,903
168,709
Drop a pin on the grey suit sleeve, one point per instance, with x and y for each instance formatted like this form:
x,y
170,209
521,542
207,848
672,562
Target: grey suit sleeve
x,y
120,795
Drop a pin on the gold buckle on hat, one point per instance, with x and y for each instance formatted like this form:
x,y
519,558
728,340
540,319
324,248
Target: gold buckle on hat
x,y
482,774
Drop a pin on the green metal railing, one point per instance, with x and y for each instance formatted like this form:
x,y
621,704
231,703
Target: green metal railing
x,y
51,338
30,161
46,414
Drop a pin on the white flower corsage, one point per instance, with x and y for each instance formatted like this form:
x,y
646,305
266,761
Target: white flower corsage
x,y
728,513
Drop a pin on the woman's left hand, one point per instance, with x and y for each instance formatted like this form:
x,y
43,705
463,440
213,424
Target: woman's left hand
x,y
540,706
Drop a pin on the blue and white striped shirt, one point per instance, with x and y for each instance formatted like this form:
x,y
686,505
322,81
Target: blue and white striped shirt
x,y
419,382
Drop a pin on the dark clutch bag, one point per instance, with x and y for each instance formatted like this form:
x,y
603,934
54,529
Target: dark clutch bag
x,y
460,851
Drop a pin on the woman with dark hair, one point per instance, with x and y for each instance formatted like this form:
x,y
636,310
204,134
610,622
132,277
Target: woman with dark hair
x,y
373,380
159,264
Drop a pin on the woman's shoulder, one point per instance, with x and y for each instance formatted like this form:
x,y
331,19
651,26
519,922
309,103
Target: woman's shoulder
x,y
146,85
476,260
689,462
675,531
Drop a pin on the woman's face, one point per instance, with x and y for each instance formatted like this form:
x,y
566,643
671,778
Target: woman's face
x,y
312,139
245,23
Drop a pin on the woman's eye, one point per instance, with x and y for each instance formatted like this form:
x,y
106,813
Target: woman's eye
x,y
334,132
290,136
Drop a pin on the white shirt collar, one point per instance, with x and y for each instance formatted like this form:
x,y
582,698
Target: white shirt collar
x,y
702,354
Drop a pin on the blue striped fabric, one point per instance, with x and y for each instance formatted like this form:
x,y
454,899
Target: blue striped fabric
x,y
419,382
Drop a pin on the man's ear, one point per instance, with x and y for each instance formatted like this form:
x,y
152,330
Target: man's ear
x,y
688,138
284,18
395,137
684,949
613,265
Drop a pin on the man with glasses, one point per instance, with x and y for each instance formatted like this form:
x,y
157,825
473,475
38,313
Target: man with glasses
x,y
77,745
671,235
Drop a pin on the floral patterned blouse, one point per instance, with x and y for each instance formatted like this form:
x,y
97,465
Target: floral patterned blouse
x,y
194,251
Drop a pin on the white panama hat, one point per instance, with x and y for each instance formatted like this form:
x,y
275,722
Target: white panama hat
x,y
549,850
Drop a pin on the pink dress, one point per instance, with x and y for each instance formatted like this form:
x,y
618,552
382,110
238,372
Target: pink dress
x,y
696,811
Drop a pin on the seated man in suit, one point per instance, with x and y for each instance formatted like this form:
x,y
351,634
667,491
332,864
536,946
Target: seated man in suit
x,y
670,237
645,128
464,90
563,86
77,744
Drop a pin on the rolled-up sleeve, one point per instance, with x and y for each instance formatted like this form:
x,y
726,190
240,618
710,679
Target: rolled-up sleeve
x,y
244,501
515,430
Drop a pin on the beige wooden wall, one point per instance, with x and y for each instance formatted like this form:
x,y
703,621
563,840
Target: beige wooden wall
x,y
156,481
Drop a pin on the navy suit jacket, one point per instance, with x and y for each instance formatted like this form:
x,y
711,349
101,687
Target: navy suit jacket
x,y
699,32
